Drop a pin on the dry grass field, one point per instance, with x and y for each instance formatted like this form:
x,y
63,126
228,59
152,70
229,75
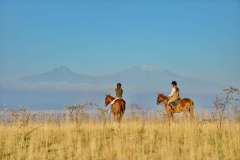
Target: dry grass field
x,y
132,140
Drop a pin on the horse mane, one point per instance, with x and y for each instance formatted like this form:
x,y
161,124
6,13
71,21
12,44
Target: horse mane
x,y
162,95
109,95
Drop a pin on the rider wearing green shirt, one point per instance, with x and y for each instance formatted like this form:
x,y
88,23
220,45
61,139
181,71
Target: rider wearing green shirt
x,y
119,91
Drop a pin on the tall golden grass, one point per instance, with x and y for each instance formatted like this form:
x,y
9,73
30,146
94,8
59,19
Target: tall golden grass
x,y
131,140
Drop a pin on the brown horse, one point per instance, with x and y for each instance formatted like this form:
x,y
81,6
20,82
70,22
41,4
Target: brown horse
x,y
185,105
118,107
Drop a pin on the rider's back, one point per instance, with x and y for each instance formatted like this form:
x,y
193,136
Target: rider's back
x,y
119,92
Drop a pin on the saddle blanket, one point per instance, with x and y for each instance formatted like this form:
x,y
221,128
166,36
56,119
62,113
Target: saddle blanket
x,y
175,103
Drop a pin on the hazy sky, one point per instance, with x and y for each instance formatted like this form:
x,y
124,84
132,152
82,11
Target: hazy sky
x,y
195,38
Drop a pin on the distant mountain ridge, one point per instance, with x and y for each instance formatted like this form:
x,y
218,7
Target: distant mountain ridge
x,y
138,78
61,86
59,74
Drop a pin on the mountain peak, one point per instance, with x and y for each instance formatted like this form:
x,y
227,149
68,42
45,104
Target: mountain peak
x,y
149,68
138,69
62,69
143,69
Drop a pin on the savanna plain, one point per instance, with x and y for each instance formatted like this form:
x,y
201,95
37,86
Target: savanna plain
x,y
132,139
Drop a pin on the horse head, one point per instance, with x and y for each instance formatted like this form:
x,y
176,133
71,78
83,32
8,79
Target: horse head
x,y
161,98
108,99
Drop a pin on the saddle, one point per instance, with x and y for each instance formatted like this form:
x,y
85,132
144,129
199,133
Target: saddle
x,y
175,103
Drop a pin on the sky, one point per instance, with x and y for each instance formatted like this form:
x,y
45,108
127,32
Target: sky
x,y
198,39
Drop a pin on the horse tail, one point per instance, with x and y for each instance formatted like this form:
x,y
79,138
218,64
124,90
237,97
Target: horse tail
x,y
123,106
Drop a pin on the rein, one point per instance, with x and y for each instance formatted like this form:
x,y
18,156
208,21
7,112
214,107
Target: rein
x,y
113,100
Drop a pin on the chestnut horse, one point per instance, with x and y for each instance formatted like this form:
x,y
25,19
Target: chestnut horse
x,y
118,107
185,105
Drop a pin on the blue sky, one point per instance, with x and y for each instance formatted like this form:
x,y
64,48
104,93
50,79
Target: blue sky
x,y
200,39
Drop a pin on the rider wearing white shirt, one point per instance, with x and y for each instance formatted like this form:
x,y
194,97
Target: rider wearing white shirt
x,y
174,95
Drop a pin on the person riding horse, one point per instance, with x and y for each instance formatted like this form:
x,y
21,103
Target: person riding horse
x,y
117,105
174,104
118,93
174,96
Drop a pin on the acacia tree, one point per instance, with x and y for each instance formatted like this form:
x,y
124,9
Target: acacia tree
x,y
228,100
234,101
76,112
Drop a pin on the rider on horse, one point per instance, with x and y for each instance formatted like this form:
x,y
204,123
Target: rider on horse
x,y
118,93
116,105
173,103
174,96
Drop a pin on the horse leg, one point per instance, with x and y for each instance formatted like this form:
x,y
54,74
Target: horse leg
x,y
170,115
114,117
120,117
121,112
117,117
186,113
169,112
191,112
